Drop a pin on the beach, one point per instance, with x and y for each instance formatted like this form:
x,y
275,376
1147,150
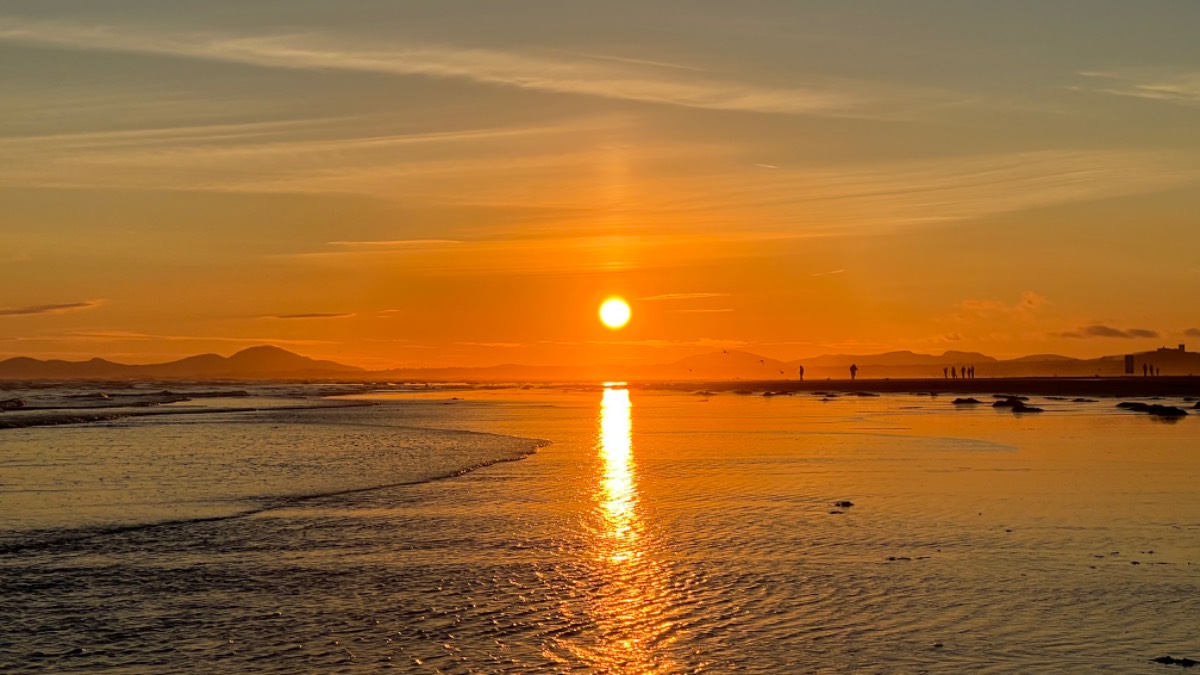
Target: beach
x,y
657,531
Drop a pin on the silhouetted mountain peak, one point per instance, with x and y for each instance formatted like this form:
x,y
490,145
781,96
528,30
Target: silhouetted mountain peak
x,y
269,358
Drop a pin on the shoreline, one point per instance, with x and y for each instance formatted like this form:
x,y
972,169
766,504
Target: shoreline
x,y
1101,387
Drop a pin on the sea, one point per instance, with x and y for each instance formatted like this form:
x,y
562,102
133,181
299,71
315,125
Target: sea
x,y
590,528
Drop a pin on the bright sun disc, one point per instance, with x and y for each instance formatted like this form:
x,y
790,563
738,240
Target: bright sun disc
x,y
614,313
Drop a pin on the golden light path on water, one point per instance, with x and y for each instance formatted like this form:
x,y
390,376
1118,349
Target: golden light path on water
x,y
629,607
619,497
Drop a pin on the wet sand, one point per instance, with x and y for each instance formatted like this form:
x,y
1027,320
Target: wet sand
x,y
660,532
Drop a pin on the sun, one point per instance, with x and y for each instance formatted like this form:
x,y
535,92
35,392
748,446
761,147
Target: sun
x,y
614,313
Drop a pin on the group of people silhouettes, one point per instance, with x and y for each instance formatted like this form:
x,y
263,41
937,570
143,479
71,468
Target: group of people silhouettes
x,y
1149,370
952,372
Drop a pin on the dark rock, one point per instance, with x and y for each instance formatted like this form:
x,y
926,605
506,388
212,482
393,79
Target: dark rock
x,y
1011,397
835,512
1017,403
1084,400
844,504
12,404
1156,409
1172,661
1196,407
966,401
1167,411
866,394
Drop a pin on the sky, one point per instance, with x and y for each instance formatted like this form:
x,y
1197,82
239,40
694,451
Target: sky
x,y
451,182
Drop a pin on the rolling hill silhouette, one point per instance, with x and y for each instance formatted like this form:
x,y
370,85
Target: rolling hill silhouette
x,y
263,362
269,362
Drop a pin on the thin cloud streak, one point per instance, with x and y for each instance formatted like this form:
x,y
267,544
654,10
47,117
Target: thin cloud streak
x,y
33,310
313,315
1105,331
614,78
684,296
658,344
130,336
1180,88
402,244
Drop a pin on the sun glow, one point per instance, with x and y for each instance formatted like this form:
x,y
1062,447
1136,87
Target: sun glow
x,y
615,313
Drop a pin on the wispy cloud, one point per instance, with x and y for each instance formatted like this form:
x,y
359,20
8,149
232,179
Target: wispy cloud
x,y
703,311
1192,332
661,344
394,244
133,336
684,296
550,71
498,345
1105,331
32,310
1171,87
1028,305
313,315
827,274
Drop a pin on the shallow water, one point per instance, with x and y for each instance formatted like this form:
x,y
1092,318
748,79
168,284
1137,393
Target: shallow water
x,y
659,533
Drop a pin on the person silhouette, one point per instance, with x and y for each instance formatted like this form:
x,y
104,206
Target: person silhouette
x,y
801,373
853,371
945,373
972,372
954,372
1144,370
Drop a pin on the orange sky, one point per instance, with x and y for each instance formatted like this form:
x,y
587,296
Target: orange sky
x,y
454,183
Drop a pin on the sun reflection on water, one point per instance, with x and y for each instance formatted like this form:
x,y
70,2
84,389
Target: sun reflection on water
x,y
618,497
631,604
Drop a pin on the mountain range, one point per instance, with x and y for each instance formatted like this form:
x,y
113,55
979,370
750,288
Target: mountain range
x,y
264,362
268,362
